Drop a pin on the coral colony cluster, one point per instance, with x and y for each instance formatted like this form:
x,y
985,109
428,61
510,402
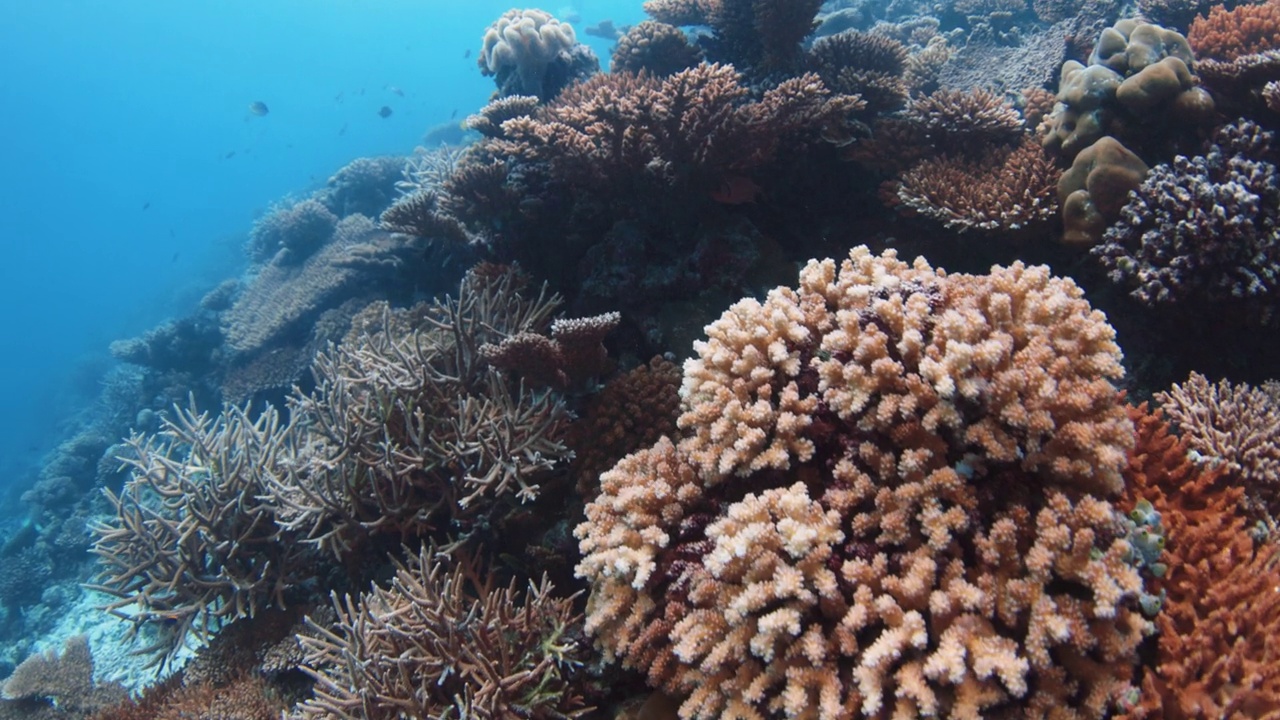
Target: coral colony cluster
x,y
418,462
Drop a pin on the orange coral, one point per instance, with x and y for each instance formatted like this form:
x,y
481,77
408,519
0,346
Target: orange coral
x,y
1228,35
1217,655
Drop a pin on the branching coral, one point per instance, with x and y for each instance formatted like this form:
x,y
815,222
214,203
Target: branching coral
x,y
1228,35
444,642
1205,228
193,541
756,36
572,354
656,48
1214,655
631,412
63,680
869,65
696,127
965,122
875,507
1009,190
1237,426
408,422
297,229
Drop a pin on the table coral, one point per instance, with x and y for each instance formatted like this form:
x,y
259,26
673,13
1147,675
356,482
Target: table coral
x,y
885,501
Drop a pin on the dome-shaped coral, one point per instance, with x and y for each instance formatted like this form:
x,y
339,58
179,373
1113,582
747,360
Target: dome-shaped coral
x,y
883,503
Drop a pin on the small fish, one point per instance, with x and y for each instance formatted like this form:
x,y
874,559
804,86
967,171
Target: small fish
x,y
338,98
230,154
259,108
453,114
385,112
342,130
361,92
466,55
176,256
396,90
171,233
146,205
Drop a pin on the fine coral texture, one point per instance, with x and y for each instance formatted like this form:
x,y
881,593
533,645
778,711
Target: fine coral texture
x,y
443,642
1228,35
1204,227
1236,426
1216,655
877,506
1006,190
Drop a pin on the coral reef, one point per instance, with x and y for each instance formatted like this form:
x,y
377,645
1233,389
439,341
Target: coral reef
x,y
1205,228
968,122
1093,192
654,47
1219,601
364,186
572,354
1009,190
443,641
1240,51
529,52
869,65
877,507
631,412
1236,427
292,230
193,541
758,37
63,681
409,427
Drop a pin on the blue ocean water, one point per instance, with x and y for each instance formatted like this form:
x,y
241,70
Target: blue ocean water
x,y
134,168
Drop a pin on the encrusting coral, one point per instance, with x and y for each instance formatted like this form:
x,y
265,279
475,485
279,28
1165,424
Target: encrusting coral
x,y
885,501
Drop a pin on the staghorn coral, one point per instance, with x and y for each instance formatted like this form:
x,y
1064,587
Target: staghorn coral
x,y
1228,35
654,47
869,65
420,214
1204,228
1008,190
1213,658
1236,426
875,508
193,541
443,641
429,169
529,52
408,425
